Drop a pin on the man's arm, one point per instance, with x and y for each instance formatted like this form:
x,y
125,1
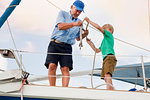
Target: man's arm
x,y
65,26
94,24
92,45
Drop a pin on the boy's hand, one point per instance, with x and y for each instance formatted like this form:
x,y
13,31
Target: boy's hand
x,y
86,32
87,19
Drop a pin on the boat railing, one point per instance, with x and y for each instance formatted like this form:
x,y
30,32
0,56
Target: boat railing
x,y
10,54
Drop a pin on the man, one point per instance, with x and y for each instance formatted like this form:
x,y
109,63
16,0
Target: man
x,y
66,30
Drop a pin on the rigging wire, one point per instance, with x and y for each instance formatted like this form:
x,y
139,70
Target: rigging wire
x,y
93,69
114,37
53,5
132,44
42,77
14,43
13,38
149,16
75,54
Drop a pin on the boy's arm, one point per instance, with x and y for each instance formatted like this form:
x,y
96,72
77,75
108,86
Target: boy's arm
x,y
92,45
94,24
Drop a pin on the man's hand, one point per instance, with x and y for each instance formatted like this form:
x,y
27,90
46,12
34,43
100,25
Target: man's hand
x,y
78,23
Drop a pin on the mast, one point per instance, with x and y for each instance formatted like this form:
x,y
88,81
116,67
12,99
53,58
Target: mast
x,y
8,11
149,15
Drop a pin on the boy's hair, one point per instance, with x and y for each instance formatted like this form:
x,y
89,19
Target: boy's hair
x,y
108,26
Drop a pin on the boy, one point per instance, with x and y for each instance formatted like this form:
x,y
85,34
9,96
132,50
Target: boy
x,y
109,59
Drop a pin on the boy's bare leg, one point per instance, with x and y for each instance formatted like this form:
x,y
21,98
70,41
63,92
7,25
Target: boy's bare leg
x,y
109,81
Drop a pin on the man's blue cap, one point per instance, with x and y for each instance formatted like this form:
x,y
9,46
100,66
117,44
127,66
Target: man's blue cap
x,y
79,5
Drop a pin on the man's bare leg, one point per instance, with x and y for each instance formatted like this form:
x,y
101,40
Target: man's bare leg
x,y
65,78
52,74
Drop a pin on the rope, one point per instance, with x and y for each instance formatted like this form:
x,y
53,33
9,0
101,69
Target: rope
x,y
1,93
87,27
114,38
22,84
80,44
93,69
16,50
105,84
143,70
53,5
12,6
21,91
138,75
12,36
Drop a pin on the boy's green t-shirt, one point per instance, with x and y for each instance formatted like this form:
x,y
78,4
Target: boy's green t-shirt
x,y
107,45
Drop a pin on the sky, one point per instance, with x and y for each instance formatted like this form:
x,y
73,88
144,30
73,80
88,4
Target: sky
x,y
32,24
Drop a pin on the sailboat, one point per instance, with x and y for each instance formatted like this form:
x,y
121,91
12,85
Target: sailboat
x,y
15,84
11,87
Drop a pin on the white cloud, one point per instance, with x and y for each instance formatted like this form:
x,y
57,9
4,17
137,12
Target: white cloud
x,y
36,15
29,47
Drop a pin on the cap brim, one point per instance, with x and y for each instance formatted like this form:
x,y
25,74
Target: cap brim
x,y
80,9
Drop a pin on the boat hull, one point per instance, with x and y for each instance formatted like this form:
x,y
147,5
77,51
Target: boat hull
x,y
38,92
